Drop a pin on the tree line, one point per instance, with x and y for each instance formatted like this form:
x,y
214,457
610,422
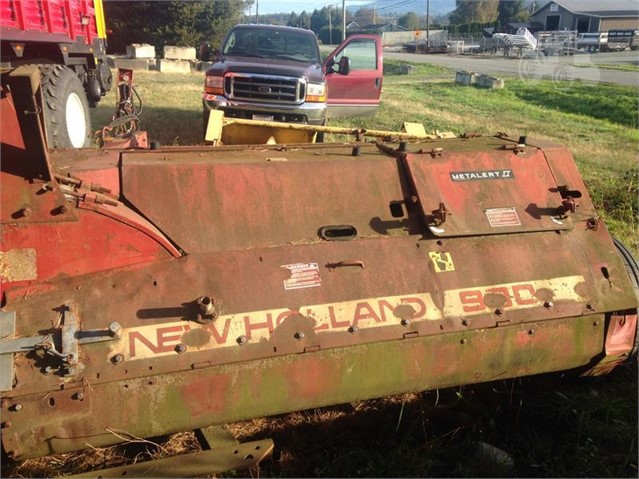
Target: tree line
x,y
175,23
191,23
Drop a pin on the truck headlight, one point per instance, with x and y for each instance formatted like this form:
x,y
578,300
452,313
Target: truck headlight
x,y
214,84
316,92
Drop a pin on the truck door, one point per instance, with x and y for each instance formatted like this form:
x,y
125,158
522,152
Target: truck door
x,y
354,76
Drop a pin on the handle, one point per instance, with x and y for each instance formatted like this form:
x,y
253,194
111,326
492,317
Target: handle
x,y
346,262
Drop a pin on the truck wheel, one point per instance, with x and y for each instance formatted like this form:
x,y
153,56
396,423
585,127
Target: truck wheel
x,y
66,109
633,272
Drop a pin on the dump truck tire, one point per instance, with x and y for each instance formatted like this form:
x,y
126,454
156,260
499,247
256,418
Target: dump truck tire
x,y
632,268
66,108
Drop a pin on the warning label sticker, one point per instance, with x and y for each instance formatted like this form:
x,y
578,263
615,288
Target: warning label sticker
x,y
498,217
303,275
443,262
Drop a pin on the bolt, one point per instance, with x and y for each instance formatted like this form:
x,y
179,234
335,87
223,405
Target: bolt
x,y
242,340
499,311
17,407
440,242
353,329
405,322
595,323
71,357
25,212
48,370
180,348
114,328
6,424
299,335
463,341
79,396
117,359
71,371
548,304
531,332
63,209
4,404
590,306
465,322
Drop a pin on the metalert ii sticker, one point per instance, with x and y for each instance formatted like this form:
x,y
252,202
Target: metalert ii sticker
x,y
506,174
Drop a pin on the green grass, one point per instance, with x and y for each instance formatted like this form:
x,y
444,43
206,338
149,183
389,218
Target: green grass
x,y
626,67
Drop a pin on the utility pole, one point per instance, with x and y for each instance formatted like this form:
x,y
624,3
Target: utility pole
x,y
427,23
257,11
374,14
330,25
343,20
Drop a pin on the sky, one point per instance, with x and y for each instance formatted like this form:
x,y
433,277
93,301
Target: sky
x,y
288,6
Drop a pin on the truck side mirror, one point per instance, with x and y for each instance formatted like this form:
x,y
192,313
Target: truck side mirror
x,y
344,66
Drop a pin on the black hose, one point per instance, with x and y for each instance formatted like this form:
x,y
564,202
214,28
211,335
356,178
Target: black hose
x,y
632,268
139,112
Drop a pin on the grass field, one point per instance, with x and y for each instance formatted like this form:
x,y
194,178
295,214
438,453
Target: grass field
x,y
550,426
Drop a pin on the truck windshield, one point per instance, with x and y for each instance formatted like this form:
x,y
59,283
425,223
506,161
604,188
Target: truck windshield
x,y
271,43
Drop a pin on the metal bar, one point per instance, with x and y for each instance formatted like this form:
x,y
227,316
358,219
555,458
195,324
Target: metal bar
x,y
202,463
216,437
21,345
329,129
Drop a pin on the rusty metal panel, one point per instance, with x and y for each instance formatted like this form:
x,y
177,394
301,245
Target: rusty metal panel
x,y
87,247
27,194
99,167
163,403
397,292
494,191
226,200
300,316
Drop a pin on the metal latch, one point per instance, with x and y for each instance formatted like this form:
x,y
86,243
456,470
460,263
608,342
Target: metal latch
x,y
439,215
61,344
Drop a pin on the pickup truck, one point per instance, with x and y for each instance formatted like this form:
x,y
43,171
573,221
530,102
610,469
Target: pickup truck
x,y
276,73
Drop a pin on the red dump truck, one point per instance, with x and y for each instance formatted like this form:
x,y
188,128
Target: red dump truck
x,y
67,40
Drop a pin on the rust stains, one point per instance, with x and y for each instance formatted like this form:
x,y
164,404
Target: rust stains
x,y
196,337
18,265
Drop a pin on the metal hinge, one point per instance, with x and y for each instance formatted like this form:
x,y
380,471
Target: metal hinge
x,y
61,345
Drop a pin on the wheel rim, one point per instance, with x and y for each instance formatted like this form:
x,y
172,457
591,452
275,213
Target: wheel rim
x,y
76,121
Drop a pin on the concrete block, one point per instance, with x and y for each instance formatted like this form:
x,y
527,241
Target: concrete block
x,y
133,63
486,81
407,69
140,50
466,78
174,66
179,53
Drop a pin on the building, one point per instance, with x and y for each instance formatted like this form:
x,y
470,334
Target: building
x,y
588,16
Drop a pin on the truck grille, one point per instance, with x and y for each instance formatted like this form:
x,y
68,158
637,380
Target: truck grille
x,y
266,88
